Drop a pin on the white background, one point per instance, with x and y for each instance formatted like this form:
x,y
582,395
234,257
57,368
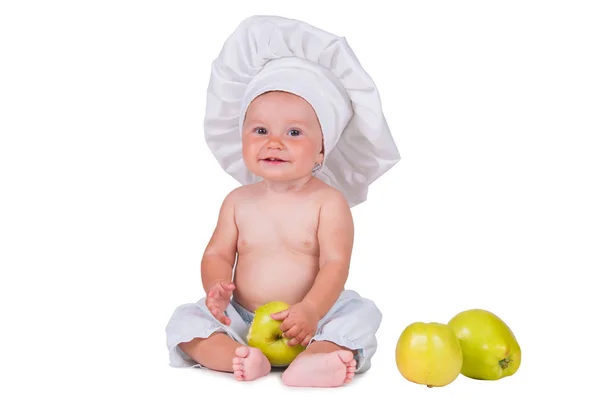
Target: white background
x,y
109,193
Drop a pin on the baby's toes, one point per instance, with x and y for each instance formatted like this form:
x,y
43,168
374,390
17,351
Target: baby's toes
x,y
239,374
350,374
237,366
350,371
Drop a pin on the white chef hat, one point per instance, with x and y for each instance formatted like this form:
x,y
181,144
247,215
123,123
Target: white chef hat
x,y
271,53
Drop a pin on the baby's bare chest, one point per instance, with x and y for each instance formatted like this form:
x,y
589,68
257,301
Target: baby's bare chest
x,y
277,227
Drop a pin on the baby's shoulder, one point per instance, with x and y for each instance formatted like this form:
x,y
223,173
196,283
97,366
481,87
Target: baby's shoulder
x,y
239,194
329,194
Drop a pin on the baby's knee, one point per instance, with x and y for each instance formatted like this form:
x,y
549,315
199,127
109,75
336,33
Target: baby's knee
x,y
368,314
372,310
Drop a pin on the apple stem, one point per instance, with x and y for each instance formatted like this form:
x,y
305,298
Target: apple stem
x,y
429,385
504,363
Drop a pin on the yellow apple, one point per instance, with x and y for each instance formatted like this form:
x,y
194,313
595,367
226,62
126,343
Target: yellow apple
x,y
428,354
265,334
490,349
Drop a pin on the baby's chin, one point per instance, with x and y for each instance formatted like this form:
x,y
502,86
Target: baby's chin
x,y
280,173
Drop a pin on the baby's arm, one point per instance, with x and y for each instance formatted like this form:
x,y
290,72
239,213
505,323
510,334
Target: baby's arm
x,y
219,256
336,238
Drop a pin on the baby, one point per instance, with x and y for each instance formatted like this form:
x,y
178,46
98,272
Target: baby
x,y
285,234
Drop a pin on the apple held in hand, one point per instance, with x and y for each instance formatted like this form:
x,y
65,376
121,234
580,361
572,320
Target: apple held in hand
x,y
265,335
490,349
429,354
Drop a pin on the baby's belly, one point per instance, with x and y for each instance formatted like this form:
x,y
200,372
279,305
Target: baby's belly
x,y
260,279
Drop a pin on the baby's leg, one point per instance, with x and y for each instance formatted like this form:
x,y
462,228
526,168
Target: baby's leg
x,y
353,320
322,364
215,352
222,353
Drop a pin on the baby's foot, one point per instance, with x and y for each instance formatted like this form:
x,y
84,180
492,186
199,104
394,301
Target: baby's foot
x,y
321,370
250,363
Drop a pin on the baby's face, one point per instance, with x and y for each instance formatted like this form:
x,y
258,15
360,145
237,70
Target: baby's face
x,y
281,137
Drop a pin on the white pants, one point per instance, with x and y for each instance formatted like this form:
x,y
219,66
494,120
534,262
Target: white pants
x,y
351,323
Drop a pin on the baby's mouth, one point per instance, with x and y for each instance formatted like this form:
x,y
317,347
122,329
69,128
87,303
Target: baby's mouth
x,y
273,160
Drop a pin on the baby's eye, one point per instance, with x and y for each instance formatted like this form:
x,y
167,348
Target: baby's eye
x,y
260,130
294,133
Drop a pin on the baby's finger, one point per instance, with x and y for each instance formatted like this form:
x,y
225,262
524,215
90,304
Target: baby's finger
x,y
214,309
300,336
306,340
291,332
221,317
278,316
227,285
210,304
286,325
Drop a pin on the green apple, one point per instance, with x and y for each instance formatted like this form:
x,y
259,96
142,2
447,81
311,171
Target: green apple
x,y
489,347
265,334
428,353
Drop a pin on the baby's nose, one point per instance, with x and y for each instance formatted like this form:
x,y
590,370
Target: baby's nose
x,y
274,142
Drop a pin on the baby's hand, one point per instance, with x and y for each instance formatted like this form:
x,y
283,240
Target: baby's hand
x,y
217,300
299,323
